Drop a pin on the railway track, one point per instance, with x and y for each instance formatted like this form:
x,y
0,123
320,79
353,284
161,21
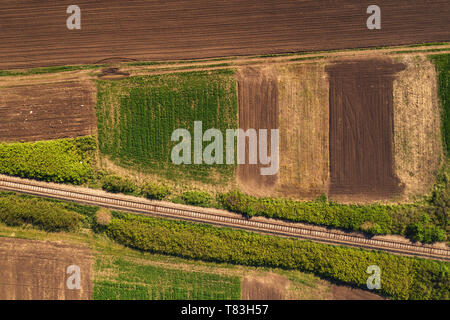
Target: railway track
x,y
220,218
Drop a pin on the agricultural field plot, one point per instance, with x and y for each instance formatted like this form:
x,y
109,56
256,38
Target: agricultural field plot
x,y
418,150
304,122
35,34
47,111
258,109
127,280
137,116
361,128
37,270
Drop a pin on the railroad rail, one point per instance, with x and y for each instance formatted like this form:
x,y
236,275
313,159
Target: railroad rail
x,y
221,218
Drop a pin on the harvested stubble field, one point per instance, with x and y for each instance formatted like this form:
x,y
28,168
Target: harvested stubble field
x,y
304,122
34,33
418,149
36,270
47,111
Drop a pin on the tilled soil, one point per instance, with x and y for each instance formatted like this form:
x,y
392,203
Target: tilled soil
x,y
35,270
361,128
34,33
47,111
258,109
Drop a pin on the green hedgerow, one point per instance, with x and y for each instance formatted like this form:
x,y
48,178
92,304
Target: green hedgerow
x,y
64,160
374,219
45,215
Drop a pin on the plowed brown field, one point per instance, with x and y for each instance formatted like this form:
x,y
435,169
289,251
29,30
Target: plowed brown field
x,y
47,111
35,270
361,128
34,33
258,109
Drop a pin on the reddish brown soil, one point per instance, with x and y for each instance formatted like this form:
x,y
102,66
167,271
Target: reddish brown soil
x,y
361,128
46,111
34,270
33,32
349,293
258,109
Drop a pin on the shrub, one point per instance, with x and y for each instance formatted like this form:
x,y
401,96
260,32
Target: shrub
x,y
197,198
155,191
425,233
64,160
402,277
45,215
117,184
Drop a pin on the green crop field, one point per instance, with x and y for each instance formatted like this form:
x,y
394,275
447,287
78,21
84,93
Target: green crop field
x,y
128,280
442,63
137,116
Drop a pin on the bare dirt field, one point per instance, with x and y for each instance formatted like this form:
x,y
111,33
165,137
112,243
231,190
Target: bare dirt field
x,y
258,109
361,128
349,293
304,121
47,111
34,33
35,270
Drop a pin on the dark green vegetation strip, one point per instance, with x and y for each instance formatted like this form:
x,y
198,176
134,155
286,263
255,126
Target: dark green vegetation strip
x,y
144,282
137,116
64,160
45,70
43,214
442,63
402,277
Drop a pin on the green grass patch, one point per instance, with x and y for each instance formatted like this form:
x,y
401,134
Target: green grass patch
x,y
134,281
137,116
418,51
63,160
442,63
45,70
402,277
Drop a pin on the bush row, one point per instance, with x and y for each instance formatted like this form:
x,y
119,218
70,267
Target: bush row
x,y
401,277
46,215
149,190
64,160
374,219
